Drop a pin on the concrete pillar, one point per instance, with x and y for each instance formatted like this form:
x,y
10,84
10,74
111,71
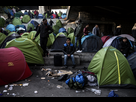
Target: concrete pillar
x,y
41,9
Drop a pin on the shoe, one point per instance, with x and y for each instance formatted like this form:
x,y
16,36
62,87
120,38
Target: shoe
x,y
79,51
73,66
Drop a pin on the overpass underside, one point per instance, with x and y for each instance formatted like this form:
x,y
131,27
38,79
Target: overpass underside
x,y
107,17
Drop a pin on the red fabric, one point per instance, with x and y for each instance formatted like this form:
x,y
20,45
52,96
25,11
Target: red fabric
x,y
85,31
54,16
104,39
13,66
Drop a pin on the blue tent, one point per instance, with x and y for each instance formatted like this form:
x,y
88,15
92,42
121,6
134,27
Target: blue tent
x,y
11,28
22,26
25,13
63,15
83,39
63,30
35,23
40,16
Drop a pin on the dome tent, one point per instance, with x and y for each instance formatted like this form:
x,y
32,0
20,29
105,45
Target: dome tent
x,y
112,69
13,66
2,22
26,19
11,27
30,49
2,37
16,21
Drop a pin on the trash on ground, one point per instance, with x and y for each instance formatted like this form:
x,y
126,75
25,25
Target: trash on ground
x,y
25,84
5,91
114,90
43,69
62,72
6,86
1,94
35,92
53,78
10,88
77,91
42,78
13,94
59,86
95,91
49,73
112,94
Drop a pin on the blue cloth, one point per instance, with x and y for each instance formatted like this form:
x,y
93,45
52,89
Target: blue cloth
x,y
11,28
112,94
63,30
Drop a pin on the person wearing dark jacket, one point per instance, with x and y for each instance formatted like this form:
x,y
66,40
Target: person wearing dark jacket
x,y
124,47
44,30
68,51
118,30
134,31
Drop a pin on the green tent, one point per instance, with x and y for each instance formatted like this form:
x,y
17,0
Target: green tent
x,y
32,35
24,35
2,22
112,69
30,25
55,29
2,37
29,48
51,40
59,23
11,33
59,14
70,30
18,14
26,19
61,34
16,21
72,37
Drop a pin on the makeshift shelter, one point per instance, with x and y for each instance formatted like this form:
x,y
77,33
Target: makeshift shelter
x,y
26,19
131,60
112,69
9,38
115,41
70,30
11,27
58,43
92,44
31,50
35,23
56,29
51,40
24,35
31,36
54,16
13,66
59,23
22,26
16,21
72,37
2,37
30,25
2,22
104,39
40,16
129,37
63,30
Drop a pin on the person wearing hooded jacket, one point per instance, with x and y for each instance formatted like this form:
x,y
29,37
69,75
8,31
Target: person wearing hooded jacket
x,y
78,34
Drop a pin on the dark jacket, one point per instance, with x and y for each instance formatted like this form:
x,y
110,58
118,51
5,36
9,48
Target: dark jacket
x,y
79,30
44,31
68,49
118,31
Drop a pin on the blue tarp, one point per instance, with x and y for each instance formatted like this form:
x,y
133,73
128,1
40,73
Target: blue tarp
x,y
83,39
22,26
35,23
11,28
40,16
63,15
63,30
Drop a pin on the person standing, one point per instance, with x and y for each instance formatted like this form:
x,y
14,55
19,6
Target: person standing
x,y
118,30
78,34
96,30
134,31
85,31
44,30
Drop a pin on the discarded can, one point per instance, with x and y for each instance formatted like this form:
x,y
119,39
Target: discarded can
x,y
5,91
25,84
10,88
6,86
59,86
42,78
35,92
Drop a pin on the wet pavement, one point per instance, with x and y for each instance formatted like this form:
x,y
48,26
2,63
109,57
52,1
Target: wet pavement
x,y
51,87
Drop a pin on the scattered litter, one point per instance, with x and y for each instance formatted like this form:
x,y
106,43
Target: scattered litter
x,y
112,94
20,84
13,94
1,94
114,90
35,92
25,84
77,91
5,91
62,72
53,78
42,78
95,91
43,69
48,80
11,85
49,73
10,88
59,86
6,86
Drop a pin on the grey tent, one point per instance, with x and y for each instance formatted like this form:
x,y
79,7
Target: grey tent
x,y
9,38
132,62
92,44
58,43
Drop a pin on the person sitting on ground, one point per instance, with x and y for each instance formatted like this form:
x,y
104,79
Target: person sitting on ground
x,y
68,51
85,31
124,47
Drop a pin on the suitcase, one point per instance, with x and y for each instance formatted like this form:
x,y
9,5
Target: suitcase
x,y
57,60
